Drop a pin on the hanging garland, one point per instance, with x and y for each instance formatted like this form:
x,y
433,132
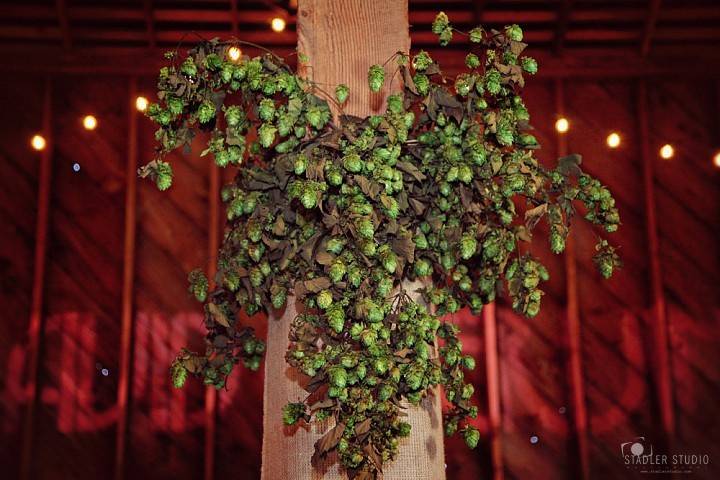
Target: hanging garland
x,y
340,215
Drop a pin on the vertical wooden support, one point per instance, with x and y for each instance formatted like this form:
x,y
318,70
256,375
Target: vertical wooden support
x,y
577,386
213,245
234,18
36,308
127,307
662,373
493,389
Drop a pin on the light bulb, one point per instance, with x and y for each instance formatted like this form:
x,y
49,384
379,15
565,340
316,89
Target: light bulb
x,y
277,24
562,125
141,103
613,140
234,53
38,142
89,122
716,160
667,151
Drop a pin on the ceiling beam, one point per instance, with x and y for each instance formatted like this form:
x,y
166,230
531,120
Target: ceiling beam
x,y
150,23
563,20
61,7
234,20
649,28
575,63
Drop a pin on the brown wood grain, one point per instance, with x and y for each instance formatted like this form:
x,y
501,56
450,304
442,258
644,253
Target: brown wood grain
x,y
331,44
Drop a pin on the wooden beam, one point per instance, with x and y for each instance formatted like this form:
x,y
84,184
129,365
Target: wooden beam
x,y
574,338
595,63
649,27
492,370
563,20
211,393
234,18
662,369
127,309
63,22
150,23
38,287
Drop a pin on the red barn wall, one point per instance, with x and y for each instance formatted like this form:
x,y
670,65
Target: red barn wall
x,y
76,413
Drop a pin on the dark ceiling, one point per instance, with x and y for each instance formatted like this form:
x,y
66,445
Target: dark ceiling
x,y
73,29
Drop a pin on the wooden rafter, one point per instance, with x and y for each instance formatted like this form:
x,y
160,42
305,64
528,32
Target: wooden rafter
x,y
234,18
150,23
128,303
563,21
35,330
575,360
62,15
649,28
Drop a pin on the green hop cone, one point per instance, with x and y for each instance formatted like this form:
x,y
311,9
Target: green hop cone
x,y
445,36
476,35
422,268
422,83
163,175
468,362
337,271
341,93
468,246
352,163
440,23
188,67
530,65
472,60
493,80
404,429
557,241
198,284
471,436
365,228
336,317
376,78
206,111
514,32
324,299
292,412
421,61
318,116
178,374
266,109
266,134
338,376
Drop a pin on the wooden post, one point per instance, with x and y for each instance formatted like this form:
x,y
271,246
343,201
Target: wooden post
x,y
213,245
127,307
342,39
577,386
493,389
36,308
662,373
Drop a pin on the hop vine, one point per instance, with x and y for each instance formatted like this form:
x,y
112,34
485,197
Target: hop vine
x,y
443,188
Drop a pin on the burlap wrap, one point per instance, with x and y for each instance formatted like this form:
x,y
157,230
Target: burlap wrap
x,y
286,451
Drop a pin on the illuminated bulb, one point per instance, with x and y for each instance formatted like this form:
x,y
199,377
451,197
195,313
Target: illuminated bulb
x,y
234,53
89,122
38,142
277,24
613,140
141,103
667,151
562,125
716,160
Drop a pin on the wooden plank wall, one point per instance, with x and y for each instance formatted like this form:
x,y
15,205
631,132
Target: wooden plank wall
x,y
535,432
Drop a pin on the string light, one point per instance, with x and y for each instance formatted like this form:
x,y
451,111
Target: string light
x,y
234,53
89,122
141,103
76,167
38,142
667,151
613,140
716,160
277,24
562,125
